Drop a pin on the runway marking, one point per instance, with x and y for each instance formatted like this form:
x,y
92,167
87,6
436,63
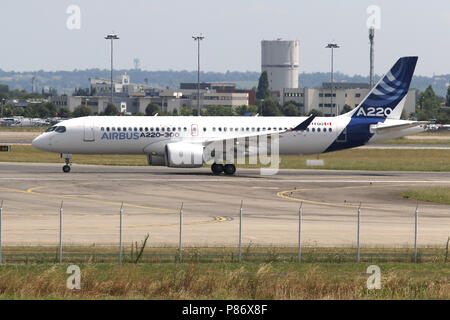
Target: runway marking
x,y
76,197
287,194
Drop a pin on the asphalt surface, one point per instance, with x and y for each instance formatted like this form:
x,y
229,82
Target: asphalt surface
x,y
152,196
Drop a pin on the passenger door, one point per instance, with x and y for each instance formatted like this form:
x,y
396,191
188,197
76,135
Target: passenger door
x,y
89,130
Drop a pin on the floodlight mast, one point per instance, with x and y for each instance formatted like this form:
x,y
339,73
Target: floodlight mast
x,y
198,39
112,37
332,46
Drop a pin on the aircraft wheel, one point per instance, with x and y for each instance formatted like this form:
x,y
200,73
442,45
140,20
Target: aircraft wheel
x,y
66,168
229,169
217,168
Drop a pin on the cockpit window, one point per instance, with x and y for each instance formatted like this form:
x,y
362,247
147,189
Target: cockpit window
x,y
51,129
60,129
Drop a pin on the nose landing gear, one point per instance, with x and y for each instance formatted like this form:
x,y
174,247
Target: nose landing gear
x,y
66,157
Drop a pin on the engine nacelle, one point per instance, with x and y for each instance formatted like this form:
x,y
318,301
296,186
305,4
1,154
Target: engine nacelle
x,y
184,155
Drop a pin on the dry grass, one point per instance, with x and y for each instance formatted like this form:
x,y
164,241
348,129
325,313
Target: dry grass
x,y
227,281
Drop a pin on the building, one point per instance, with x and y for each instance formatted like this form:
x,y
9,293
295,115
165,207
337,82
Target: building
x,y
280,58
350,94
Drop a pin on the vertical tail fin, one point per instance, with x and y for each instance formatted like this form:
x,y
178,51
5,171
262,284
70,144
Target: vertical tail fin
x,y
384,99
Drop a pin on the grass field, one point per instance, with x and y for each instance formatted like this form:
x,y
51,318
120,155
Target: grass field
x,y
353,159
227,281
214,273
436,194
23,129
250,253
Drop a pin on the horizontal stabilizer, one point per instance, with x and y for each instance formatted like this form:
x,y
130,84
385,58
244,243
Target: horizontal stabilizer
x,y
388,129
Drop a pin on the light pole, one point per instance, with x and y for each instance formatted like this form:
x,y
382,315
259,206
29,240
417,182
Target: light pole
x,y
112,37
198,38
332,46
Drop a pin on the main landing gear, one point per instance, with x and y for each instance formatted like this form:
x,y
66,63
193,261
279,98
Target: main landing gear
x,y
66,157
228,169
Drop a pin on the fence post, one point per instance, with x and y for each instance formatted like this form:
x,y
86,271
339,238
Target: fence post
x,y
300,233
60,231
120,234
240,233
180,245
358,235
1,209
416,216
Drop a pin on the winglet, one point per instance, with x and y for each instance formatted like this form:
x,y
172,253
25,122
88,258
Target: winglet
x,y
302,126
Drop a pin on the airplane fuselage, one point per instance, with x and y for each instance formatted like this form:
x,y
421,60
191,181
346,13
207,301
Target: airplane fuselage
x,y
145,135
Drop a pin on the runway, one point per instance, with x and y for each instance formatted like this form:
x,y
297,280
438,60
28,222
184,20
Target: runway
x,y
152,196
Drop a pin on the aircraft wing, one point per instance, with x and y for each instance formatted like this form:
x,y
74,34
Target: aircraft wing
x,y
396,127
300,127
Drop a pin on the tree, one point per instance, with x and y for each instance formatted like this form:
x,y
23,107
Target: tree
x,y
82,111
318,113
346,109
447,99
270,107
175,112
64,112
111,110
219,111
185,111
263,91
151,109
290,110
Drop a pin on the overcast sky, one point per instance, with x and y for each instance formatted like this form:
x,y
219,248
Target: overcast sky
x,y
34,34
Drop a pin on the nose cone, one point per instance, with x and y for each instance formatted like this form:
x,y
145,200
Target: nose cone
x,y
41,143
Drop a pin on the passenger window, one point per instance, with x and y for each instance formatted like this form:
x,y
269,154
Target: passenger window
x,y
151,129
231,129
225,129
214,128
318,129
174,129
102,129
162,129
168,129
157,129
107,128
124,129
179,128
247,129
135,129
313,129
118,129
257,129
204,129
184,129
130,129
146,129
220,128
113,129
330,130
307,129
140,129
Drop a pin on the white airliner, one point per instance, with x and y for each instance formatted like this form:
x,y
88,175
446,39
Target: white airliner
x,y
161,139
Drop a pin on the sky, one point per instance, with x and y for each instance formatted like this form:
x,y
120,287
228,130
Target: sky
x,y
36,36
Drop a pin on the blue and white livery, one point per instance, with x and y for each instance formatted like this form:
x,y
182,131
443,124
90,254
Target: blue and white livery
x,y
162,139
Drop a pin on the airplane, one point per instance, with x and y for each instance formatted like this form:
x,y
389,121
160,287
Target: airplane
x,y
161,138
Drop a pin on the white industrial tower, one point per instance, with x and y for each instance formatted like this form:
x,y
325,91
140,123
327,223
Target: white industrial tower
x,y
280,58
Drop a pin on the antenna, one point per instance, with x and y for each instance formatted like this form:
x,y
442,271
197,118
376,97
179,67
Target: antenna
x,y
371,39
